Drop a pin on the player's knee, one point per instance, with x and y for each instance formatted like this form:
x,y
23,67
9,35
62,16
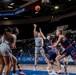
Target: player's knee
x,y
57,59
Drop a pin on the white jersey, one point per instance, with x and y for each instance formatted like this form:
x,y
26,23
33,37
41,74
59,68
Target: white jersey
x,y
4,47
38,41
4,41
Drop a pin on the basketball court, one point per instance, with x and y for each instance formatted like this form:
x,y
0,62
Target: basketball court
x,y
41,70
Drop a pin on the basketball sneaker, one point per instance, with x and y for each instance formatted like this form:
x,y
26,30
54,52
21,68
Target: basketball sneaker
x,y
62,66
48,68
52,73
35,68
21,73
59,72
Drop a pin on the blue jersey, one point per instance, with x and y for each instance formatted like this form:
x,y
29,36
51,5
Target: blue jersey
x,y
48,43
51,54
65,43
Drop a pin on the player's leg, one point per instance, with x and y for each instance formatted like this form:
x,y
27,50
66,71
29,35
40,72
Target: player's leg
x,y
45,58
2,64
7,66
20,70
14,60
47,61
36,57
6,58
15,63
58,62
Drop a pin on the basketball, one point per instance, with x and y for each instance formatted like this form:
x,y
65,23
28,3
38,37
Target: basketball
x,y
37,8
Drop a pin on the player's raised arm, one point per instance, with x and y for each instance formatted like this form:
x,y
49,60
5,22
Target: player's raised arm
x,y
42,33
35,32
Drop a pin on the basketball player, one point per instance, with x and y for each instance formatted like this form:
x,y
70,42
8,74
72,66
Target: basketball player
x,y
65,59
70,50
6,43
13,59
15,32
52,52
39,48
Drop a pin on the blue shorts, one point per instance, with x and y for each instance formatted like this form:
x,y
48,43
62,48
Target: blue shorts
x,y
71,51
51,55
60,51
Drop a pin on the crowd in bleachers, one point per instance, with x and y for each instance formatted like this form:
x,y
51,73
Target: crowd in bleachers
x,y
25,47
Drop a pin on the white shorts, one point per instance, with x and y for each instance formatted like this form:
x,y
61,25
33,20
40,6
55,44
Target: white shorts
x,y
4,50
39,50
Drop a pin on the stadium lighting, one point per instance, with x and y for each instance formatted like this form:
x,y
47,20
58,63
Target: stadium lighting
x,y
12,4
56,7
52,16
5,18
10,7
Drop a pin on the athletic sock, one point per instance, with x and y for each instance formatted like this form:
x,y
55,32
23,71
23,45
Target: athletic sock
x,y
19,67
14,71
65,66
